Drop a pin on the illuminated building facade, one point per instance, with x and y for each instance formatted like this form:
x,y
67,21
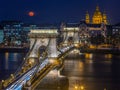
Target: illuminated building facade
x,y
97,18
14,33
116,29
1,34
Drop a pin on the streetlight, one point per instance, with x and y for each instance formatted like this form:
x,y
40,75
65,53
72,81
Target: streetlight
x,y
82,87
76,87
79,87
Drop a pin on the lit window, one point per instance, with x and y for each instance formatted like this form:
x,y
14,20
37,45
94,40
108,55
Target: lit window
x,y
113,32
113,29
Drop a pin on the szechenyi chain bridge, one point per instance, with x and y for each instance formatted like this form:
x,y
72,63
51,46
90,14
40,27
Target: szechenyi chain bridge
x,y
46,55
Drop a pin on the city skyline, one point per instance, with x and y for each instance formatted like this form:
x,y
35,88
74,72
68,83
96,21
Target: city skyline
x,y
56,11
59,45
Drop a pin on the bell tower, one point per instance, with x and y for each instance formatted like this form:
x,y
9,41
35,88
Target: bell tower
x,y
105,18
87,18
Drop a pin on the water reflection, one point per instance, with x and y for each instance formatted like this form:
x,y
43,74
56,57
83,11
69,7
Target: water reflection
x,y
6,60
9,62
88,56
93,71
115,67
108,56
15,56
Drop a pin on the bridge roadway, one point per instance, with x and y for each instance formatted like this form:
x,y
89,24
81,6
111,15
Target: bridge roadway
x,y
24,67
42,69
36,80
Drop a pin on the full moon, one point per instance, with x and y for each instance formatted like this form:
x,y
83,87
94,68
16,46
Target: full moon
x,y
31,13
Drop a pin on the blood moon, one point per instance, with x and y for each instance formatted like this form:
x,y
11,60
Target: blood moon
x,y
31,13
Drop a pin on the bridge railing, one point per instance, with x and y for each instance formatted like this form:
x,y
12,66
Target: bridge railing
x,y
25,59
64,54
12,79
38,67
41,75
9,85
66,48
13,76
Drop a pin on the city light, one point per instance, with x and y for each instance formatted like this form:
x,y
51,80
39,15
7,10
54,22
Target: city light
x,y
47,31
108,56
89,56
76,87
73,53
81,87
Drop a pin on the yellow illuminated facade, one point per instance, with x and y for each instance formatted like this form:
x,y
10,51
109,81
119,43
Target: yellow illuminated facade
x,y
87,18
97,18
105,18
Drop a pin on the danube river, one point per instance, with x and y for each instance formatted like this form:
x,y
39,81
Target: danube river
x,y
83,71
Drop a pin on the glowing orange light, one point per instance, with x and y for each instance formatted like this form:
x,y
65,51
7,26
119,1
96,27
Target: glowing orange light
x,y
31,13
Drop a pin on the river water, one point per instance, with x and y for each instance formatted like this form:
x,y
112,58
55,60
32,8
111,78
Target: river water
x,y
93,72
9,63
84,71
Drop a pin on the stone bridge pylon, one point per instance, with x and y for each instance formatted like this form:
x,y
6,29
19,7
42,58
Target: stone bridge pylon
x,y
43,40
74,33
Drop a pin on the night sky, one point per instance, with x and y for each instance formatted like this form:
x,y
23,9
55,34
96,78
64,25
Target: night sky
x,y
56,11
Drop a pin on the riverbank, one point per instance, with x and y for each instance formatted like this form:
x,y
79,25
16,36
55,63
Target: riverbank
x,y
101,51
14,49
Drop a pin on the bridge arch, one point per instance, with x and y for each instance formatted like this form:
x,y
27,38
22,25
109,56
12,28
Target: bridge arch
x,y
42,49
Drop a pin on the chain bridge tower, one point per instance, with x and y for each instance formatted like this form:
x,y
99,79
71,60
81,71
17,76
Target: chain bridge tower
x,y
70,34
43,38
84,34
74,33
